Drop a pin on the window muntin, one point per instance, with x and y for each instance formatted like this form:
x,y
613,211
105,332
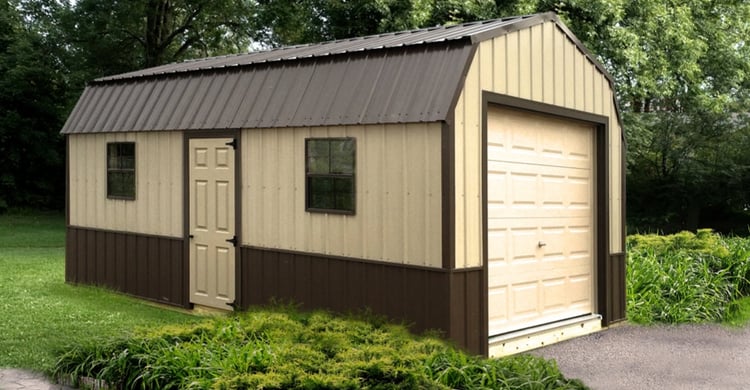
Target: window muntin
x,y
330,166
121,170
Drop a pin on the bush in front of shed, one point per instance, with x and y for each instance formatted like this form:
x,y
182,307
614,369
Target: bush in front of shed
x,y
281,349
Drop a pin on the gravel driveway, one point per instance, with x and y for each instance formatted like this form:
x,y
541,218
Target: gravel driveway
x,y
657,357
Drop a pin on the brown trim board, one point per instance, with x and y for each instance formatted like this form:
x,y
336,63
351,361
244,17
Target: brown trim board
x,y
448,187
605,274
146,266
67,180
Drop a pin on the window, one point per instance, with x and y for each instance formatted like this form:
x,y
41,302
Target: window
x,y
121,170
330,175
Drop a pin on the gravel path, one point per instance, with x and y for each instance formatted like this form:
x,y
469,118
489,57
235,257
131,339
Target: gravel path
x,y
657,357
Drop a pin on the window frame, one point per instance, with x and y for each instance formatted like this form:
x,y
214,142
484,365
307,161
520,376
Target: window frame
x,y
110,170
352,176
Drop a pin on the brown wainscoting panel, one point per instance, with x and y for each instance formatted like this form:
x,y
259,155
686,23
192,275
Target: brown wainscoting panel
x,y
424,298
616,289
468,310
149,267
414,295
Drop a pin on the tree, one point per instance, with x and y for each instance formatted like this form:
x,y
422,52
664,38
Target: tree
x,y
284,22
31,151
681,70
110,37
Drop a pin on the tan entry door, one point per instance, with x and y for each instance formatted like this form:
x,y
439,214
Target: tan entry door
x,y
212,222
540,190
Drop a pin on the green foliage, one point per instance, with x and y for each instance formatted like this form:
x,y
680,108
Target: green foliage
x,y
308,21
31,114
739,316
686,277
281,348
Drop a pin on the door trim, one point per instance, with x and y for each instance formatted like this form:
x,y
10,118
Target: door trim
x,y
601,196
225,133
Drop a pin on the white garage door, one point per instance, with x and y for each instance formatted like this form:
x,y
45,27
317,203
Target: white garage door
x,y
540,219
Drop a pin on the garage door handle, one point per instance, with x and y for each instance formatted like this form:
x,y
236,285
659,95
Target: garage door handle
x,y
542,243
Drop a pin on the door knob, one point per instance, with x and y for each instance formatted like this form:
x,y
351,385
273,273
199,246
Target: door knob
x,y
542,243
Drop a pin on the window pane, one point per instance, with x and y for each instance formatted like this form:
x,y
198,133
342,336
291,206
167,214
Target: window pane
x,y
342,156
318,156
344,193
121,184
321,193
127,156
317,164
112,156
121,155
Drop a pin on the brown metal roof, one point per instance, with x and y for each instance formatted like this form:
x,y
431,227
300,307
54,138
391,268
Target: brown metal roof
x,y
411,76
413,84
344,46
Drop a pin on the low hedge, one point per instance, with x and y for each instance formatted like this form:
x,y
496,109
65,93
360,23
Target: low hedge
x,y
284,349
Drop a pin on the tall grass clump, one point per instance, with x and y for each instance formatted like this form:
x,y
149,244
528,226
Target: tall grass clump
x,y
284,349
686,277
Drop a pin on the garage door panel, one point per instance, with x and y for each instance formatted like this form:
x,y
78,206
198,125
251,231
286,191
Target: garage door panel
x,y
525,300
538,187
539,219
554,294
521,271
543,157
574,223
499,311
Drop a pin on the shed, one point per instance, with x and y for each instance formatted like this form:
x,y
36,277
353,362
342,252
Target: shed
x,y
466,178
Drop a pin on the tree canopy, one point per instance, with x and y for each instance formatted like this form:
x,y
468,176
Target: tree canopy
x,y
682,73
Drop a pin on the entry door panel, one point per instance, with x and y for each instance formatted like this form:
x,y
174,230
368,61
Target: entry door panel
x,y
212,222
540,235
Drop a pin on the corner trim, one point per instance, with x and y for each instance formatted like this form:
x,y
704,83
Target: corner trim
x,y
67,180
448,187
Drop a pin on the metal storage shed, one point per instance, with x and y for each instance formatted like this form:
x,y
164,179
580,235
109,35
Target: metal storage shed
x,y
465,178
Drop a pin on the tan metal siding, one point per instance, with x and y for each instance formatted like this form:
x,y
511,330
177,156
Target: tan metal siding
x,y
157,208
539,63
398,201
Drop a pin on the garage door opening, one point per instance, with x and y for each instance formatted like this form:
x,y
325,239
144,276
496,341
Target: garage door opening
x,y
541,232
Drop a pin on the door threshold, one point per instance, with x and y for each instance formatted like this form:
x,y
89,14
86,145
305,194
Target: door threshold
x,y
531,338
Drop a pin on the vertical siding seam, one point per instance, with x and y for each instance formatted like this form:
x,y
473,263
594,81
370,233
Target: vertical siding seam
x,y
404,198
384,192
427,183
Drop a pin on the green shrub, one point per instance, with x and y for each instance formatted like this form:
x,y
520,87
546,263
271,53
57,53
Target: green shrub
x,y
686,277
285,349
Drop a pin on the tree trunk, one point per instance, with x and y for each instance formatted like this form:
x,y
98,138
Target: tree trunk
x,y
158,21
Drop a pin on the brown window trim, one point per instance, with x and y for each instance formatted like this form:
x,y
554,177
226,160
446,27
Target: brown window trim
x,y
120,170
351,176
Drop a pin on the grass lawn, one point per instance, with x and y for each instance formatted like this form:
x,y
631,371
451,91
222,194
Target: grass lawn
x,y
40,314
